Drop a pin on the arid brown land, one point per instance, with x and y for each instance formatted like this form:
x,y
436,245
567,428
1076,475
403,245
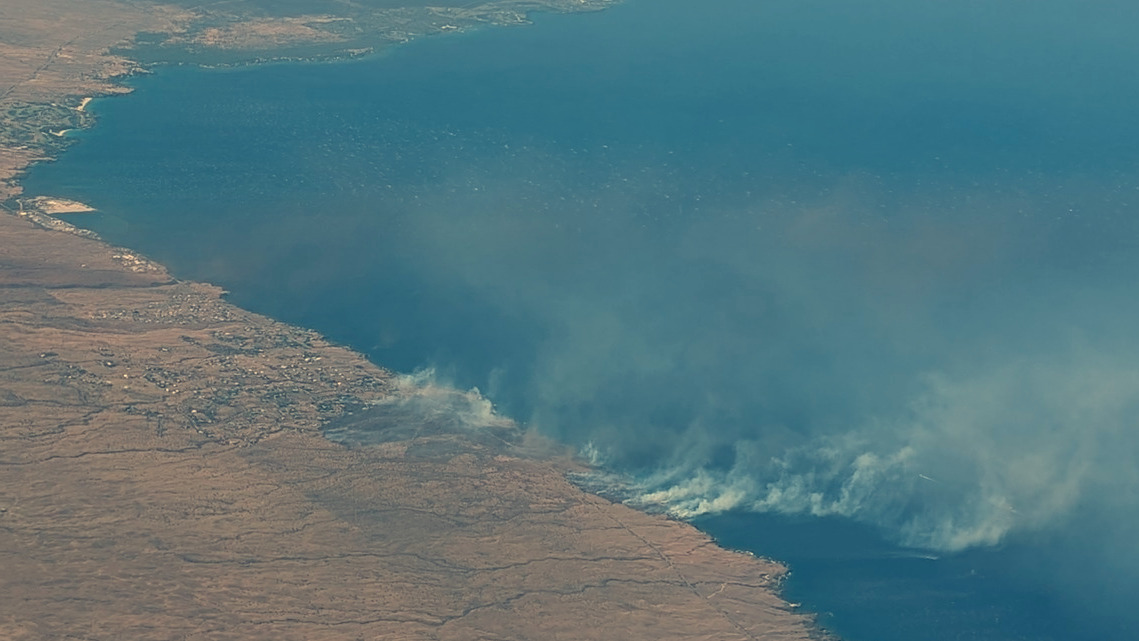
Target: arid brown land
x,y
163,473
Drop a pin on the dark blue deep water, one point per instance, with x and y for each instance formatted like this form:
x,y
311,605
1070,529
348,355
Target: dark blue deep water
x,y
853,285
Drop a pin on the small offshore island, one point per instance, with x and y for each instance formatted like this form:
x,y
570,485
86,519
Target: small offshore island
x,y
164,473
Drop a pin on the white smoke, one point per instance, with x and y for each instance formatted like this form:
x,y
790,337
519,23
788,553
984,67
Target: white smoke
x,y
973,459
423,394
420,405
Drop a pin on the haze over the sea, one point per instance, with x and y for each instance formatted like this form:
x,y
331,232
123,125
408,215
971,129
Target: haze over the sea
x,y
874,261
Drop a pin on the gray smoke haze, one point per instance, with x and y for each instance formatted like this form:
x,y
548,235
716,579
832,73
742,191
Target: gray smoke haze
x,y
951,364
968,462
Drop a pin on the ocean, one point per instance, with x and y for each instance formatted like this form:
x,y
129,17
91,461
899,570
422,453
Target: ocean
x,y
851,285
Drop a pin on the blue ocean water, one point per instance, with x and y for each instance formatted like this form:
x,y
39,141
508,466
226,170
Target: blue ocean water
x,y
851,284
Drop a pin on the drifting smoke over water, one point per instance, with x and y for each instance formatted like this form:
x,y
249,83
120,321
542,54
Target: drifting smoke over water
x,y
969,463
951,364
949,378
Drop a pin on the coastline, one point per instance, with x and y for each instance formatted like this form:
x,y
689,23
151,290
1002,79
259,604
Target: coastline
x,y
188,443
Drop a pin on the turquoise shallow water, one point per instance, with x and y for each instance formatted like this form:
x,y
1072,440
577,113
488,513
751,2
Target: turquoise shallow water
x,y
873,263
